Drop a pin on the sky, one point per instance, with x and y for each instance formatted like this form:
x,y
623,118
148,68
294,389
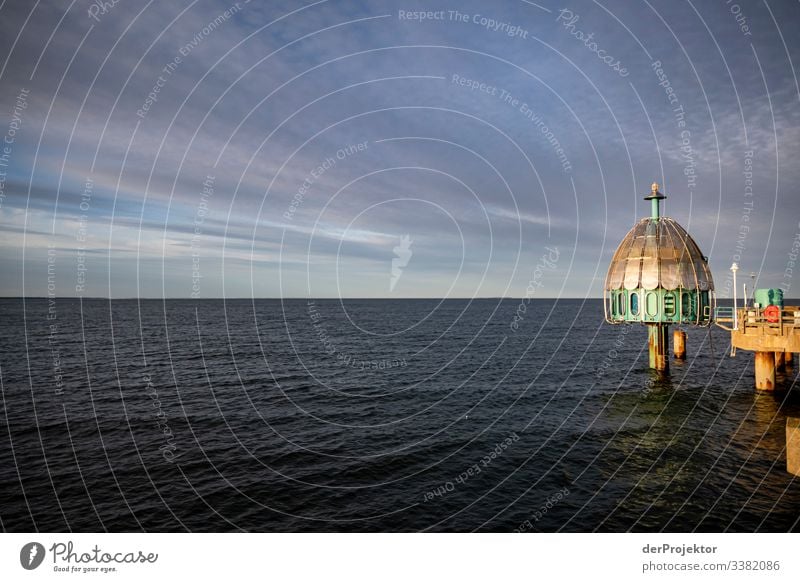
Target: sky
x,y
200,149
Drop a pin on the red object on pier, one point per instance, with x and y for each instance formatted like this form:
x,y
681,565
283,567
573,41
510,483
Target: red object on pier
x,y
772,313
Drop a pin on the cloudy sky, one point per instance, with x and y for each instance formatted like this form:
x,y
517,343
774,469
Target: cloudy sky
x,y
361,149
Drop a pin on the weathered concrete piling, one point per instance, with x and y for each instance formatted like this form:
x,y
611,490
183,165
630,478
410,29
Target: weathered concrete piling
x,y
793,445
780,362
765,370
679,344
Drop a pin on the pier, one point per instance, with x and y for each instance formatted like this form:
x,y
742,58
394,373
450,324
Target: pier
x,y
771,332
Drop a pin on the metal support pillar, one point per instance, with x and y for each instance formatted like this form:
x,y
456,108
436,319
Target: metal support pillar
x,y
679,344
658,343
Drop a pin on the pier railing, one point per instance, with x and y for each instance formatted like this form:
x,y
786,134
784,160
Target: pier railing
x,y
758,317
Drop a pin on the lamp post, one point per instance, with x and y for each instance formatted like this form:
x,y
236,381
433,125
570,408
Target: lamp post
x,y
734,268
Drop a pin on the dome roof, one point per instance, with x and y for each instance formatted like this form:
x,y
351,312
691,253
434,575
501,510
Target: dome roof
x,y
658,253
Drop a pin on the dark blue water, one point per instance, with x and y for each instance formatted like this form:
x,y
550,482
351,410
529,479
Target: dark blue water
x,y
375,415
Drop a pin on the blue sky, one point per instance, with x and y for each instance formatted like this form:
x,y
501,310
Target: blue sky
x,y
326,132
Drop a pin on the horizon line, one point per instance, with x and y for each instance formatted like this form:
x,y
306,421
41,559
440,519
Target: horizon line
x,y
280,298
541,298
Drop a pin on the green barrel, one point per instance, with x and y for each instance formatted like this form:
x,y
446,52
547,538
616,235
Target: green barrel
x,y
764,297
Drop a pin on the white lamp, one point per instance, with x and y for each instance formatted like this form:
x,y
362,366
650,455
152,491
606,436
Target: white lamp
x,y
734,268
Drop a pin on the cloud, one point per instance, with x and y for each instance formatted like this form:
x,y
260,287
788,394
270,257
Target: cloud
x,y
263,98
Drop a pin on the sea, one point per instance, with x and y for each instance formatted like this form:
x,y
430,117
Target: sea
x,y
329,415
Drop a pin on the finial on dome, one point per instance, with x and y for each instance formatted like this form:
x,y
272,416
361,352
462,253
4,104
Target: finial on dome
x,y
655,197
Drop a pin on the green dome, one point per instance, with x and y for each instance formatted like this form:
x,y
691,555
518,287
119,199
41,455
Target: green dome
x,y
658,274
